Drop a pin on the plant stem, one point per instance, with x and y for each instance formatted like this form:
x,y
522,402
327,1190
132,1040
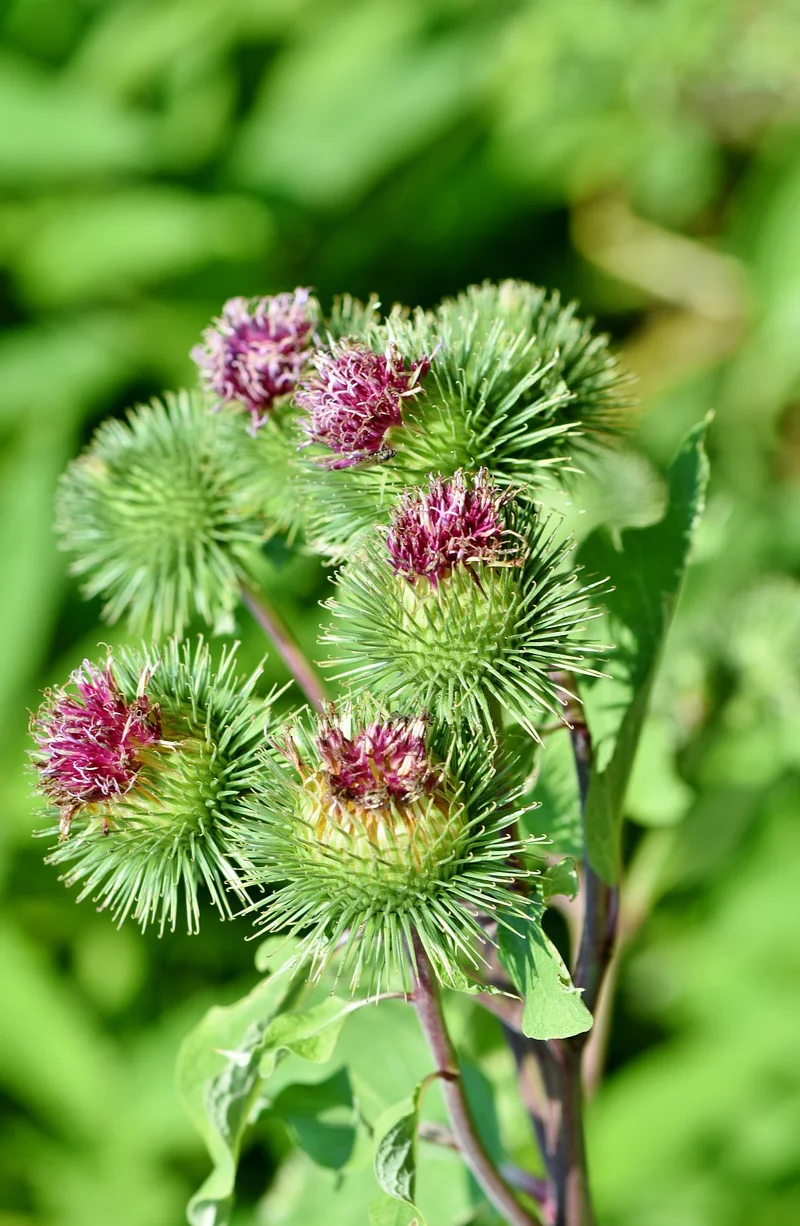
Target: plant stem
x,y
600,900
270,621
426,1001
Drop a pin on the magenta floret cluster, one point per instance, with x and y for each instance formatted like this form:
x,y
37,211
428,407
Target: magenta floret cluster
x,y
257,350
88,743
456,521
381,763
355,397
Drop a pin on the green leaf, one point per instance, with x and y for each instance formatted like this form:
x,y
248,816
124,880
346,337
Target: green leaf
x,y
558,811
396,1153
322,1118
311,1035
553,1008
647,574
561,878
217,1081
385,1211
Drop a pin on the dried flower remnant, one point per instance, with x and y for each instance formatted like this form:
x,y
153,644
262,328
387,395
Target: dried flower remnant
x,y
88,744
257,350
455,522
355,398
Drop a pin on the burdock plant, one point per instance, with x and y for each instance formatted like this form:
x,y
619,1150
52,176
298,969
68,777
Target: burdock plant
x,y
390,842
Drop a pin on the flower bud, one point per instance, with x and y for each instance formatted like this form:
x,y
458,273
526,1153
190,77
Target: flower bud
x,y
467,601
160,516
366,832
149,760
255,353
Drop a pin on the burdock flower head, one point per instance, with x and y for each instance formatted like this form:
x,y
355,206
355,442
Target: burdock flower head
x,y
468,600
456,522
255,353
148,760
89,742
355,398
368,829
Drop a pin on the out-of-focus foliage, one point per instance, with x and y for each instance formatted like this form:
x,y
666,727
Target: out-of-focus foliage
x,y
158,156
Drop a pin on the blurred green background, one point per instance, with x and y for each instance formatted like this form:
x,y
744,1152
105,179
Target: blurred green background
x,y
158,156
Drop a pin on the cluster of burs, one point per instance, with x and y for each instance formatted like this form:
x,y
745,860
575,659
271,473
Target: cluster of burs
x,y
412,450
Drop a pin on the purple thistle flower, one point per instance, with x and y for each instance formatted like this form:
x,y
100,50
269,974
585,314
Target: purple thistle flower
x,y
383,762
452,523
255,352
88,744
355,398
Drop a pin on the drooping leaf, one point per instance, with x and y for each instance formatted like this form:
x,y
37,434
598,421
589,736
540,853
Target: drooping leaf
x,y
396,1151
553,1008
217,1081
322,1118
647,576
311,1035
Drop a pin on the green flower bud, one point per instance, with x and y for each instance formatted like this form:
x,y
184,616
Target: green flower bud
x,y
368,829
164,515
150,761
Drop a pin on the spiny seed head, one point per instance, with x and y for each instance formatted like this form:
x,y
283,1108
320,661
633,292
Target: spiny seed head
x,y
149,760
455,522
89,742
493,629
355,398
369,828
256,351
160,516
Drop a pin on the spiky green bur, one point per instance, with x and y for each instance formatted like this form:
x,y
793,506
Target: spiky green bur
x,y
145,844
163,515
517,385
495,631
367,829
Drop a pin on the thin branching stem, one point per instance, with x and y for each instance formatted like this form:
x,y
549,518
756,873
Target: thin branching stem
x,y
271,622
426,1000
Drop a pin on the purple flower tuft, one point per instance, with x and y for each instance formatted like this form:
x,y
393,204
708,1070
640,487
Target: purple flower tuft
x,y
383,762
355,397
256,351
451,523
88,744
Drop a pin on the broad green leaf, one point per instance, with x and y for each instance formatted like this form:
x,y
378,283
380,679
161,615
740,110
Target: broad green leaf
x,y
396,1150
218,1080
322,1118
553,1008
647,576
558,813
312,1035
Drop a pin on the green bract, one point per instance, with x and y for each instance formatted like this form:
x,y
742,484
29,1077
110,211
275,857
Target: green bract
x,y
487,633
147,853
517,385
164,515
362,876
